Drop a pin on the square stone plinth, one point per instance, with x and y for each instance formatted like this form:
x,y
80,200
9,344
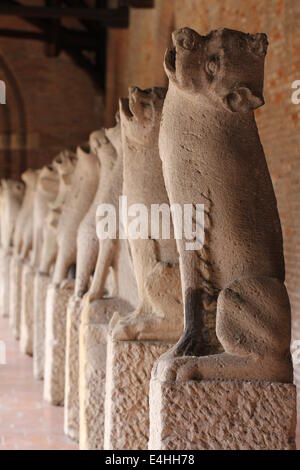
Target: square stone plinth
x,y
71,411
128,372
92,362
55,342
15,275
5,260
222,415
26,325
41,283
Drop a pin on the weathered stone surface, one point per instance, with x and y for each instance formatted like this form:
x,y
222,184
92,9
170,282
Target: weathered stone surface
x,y
209,144
5,260
15,275
128,372
26,327
157,317
71,411
92,368
41,283
55,341
228,415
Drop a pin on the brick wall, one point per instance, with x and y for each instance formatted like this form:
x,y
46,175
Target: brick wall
x,y
278,120
51,103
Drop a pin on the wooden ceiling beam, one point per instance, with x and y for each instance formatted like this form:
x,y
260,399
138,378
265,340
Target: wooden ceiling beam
x,y
113,18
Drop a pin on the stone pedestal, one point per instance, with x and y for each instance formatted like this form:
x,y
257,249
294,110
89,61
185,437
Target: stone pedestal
x,y
15,275
71,410
41,283
128,371
222,415
5,260
26,325
55,342
92,362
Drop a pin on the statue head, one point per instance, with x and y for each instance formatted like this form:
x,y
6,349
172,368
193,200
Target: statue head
x,y
95,140
48,181
30,178
12,189
141,113
114,134
226,67
106,152
64,163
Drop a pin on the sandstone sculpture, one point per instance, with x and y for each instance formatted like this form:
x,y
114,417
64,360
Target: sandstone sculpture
x,y
46,192
157,317
12,193
87,241
110,248
87,251
212,154
113,289
64,164
77,200
23,234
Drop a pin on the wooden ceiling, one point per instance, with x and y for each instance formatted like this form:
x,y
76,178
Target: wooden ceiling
x,y
86,44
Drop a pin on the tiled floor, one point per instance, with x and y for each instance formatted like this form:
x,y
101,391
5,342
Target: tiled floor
x,y
26,421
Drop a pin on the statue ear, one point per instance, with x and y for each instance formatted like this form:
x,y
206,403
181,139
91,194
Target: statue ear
x,y
242,100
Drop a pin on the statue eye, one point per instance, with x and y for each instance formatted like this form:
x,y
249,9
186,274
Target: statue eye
x,y
213,65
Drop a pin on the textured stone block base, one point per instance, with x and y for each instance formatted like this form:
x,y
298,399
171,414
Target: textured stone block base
x,y
15,282
26,325
92,362
5,260
227,415
71,410
55,342
41,283
128,372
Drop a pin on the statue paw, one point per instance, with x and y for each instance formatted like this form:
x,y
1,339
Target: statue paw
x,y
125,329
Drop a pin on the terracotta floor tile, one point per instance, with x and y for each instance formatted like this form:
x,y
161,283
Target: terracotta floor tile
x,y
26,421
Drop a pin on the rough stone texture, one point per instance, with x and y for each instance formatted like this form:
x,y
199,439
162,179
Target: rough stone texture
x,y
92,368
55,342
157,317
209,144
128,371
5,260
71,411
15,275
227,415
41,283
27,302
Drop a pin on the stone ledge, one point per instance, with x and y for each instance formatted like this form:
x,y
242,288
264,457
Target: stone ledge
x,y
41,283
128,372
55,342
27,302
222,415
92,363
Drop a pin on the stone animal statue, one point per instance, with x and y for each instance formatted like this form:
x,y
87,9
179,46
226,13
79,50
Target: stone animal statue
x,y
212,155
64,164
46,192
23,235
109,248
87,240
159,313
12,193
77,200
